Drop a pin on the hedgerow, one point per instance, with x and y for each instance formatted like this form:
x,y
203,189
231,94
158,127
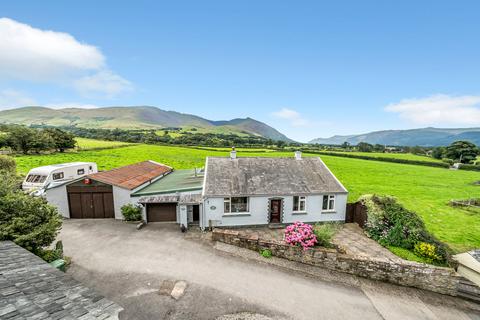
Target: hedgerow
x,y
390,224
384,159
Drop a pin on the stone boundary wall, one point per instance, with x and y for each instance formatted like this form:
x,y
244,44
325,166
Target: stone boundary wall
x,y
410,274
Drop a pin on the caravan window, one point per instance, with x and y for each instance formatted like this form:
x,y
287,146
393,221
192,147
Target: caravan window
x,y
80,171
35,178
57,176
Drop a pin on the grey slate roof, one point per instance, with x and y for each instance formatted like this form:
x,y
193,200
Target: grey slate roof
x,y
30,288
248,176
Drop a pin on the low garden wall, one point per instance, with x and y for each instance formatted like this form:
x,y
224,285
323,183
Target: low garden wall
x,y
411,274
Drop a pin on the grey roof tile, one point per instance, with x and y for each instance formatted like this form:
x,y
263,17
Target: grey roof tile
x,y
32,289
269,176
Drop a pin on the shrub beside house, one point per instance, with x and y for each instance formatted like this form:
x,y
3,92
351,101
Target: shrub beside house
x,y
402,231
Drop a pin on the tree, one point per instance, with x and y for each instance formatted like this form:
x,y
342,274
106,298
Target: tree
x,y
26,220
19,138
40,141
8,172
438,152
364,147
61,139
462,151
345,145
379,147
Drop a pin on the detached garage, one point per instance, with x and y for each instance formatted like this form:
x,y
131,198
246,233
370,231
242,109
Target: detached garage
x,y
101,195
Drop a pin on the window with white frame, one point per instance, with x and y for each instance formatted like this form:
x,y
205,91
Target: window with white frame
x,y
235,204
299,204
328,202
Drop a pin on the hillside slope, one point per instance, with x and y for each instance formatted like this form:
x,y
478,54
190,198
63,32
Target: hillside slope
x,y
141,117
412,137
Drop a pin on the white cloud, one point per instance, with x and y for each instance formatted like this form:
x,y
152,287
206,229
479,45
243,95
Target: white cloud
x,y
32,54
439,109
64,105
104,82
294,118
13,99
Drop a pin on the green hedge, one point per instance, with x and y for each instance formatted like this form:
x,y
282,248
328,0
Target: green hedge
x,y
470,167
391,224
395,160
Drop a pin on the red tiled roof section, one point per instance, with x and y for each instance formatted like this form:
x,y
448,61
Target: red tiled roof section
x,y
132,176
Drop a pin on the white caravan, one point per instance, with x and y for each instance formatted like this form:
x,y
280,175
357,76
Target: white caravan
x,y
41,177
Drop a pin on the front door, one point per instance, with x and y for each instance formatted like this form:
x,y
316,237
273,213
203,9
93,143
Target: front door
x,y
275,210
196,213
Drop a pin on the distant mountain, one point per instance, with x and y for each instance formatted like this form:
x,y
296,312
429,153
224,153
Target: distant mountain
x,y
141,117
412,137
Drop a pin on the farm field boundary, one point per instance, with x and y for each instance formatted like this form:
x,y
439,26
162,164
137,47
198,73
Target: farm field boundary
x,y
385,159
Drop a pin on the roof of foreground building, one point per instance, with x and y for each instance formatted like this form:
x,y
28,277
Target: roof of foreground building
x,y
30,288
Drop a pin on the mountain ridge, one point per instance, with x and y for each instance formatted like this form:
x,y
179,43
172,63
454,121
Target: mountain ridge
x,y
428,137
135,117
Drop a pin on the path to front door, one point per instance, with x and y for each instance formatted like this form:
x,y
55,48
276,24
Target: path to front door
x,y
275,210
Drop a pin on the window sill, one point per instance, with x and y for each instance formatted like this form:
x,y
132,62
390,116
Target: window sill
x,y
299,212
236,214
329,211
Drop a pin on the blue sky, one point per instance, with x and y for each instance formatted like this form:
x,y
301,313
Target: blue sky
x,y
310,69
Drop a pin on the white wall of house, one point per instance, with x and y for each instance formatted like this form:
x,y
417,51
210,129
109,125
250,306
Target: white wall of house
x,y
58,198
183,214
259,211
121,197
314,212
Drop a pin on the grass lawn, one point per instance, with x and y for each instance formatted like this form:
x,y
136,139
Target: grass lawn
x,y
405,156
89,144
406,254
425,190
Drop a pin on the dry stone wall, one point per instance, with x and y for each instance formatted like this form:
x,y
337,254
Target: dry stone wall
x,y
411,274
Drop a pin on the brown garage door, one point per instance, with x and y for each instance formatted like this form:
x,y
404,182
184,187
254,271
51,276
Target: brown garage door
x,y
162,212
90,202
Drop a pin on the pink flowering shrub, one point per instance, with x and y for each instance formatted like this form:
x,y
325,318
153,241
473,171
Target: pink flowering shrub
x,y
300,234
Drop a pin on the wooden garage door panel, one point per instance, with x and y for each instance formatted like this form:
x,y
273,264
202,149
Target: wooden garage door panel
x,y
98,211
162,212
75,205
108,205
87,205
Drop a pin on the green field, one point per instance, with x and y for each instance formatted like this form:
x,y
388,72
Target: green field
x,y
425,190
92,144
404,156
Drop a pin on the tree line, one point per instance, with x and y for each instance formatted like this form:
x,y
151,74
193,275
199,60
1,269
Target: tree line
x,y
32,140
459,151
151,136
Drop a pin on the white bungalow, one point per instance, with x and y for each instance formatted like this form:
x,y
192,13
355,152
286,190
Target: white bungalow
x,y
259,191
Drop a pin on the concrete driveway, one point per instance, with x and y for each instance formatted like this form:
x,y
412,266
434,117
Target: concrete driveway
x,y
128,267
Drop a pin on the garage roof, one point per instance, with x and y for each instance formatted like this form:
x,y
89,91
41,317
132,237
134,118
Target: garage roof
x,y
177,181
132,176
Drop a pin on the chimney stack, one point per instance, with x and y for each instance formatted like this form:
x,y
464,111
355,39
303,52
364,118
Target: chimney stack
x,y
233,153
298,155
